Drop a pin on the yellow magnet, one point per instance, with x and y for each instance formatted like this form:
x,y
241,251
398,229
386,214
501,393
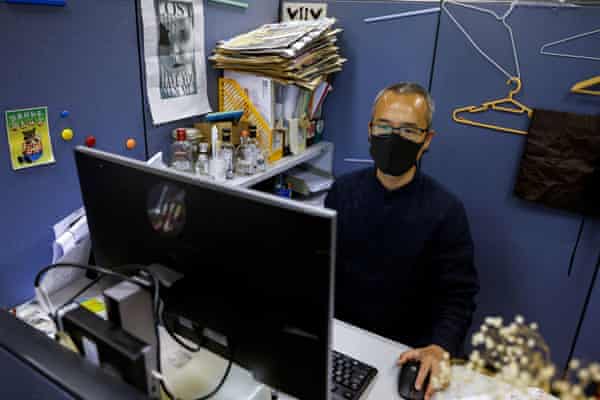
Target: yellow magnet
x,y
67,134
131,143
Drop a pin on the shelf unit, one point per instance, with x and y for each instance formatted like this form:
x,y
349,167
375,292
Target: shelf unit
x,y
319,155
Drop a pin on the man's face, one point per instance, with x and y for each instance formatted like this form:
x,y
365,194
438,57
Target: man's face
x,y
407,111
177,42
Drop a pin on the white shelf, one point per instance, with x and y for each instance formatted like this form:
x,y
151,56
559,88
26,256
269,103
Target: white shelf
x,y
276,168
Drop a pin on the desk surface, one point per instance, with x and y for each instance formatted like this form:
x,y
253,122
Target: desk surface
x,y
203,369
192,375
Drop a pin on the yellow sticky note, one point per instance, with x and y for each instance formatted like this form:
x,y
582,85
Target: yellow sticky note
x,y
94,305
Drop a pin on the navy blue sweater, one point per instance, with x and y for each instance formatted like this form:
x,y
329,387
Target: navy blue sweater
x,y
404,260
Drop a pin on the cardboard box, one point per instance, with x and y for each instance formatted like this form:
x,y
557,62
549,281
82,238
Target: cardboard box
x,y
236,129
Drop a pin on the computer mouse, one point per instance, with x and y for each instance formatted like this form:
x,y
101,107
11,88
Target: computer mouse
x,y
406,381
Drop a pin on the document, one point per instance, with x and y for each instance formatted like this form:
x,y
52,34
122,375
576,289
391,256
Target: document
x,y
174,58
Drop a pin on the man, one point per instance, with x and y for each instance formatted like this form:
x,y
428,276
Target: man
x,y
405,255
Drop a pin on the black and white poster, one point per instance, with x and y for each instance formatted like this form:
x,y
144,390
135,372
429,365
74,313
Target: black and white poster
x,y
175,60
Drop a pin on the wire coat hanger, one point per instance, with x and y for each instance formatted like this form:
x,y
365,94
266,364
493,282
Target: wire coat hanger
x,y
496,105
582,87
569,39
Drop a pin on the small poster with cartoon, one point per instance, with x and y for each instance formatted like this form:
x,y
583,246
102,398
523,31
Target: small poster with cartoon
x,y
29,137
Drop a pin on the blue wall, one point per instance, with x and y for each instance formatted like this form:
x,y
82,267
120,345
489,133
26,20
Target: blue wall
x,y
379,54
68,58
82,58
522,249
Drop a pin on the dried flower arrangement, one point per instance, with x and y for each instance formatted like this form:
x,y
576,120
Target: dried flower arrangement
x,y
518,355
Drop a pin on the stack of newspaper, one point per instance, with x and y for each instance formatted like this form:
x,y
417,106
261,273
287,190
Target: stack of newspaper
x,y
300,52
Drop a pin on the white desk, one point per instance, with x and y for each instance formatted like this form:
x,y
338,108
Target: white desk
x,y
199,375
192,375
204,369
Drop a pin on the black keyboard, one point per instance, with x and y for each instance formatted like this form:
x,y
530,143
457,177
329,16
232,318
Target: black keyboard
x,y
350,378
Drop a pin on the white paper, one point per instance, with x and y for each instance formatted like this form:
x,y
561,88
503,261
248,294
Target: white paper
x,y
71,245
61,226
314,182
175,59
260,90
294,11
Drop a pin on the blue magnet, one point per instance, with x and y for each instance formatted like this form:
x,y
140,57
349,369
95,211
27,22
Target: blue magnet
x,y
39,2
64,114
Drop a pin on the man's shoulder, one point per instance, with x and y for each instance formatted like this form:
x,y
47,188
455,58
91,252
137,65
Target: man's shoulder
x,y
350,179
439,194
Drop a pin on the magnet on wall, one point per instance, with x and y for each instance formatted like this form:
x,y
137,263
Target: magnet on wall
x,y
131,143
90,141
64,114
67,134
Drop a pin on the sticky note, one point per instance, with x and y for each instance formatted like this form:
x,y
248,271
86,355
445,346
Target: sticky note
x,y
94,305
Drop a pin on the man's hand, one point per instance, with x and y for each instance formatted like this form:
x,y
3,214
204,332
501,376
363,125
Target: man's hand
x,y
430,358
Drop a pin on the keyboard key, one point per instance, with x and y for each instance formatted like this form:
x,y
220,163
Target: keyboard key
x,y
349,377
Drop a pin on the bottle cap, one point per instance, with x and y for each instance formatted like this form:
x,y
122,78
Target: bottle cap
x,y
181,134
244,133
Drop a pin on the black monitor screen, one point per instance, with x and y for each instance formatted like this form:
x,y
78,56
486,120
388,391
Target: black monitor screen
x,y
258,270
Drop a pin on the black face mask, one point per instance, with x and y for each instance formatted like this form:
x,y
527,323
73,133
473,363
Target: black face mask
x,y
393,154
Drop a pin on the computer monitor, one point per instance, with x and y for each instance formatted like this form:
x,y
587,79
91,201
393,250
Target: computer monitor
x,y
258,269
32,366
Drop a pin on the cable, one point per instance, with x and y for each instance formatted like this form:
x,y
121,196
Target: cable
x,y
155,284
176,339
576,245
76,295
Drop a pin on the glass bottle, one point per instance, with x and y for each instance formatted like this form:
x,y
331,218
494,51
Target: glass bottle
x,y
254,148
259,158
182,153
227,153
243,155
202,163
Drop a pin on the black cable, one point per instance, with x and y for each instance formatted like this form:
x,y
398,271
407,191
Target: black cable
x,y
176,339
576,245
223,379
86,267
583,312
155,284
76,295
435,48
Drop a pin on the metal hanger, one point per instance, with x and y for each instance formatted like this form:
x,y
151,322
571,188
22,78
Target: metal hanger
x,y
582,87
569,39
497,105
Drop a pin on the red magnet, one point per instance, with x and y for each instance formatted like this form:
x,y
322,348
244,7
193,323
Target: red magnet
x,y
90,141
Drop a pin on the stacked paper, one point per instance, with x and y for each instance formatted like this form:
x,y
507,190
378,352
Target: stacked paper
x,y
299,52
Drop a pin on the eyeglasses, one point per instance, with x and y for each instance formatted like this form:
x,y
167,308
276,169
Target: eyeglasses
x,y
409,132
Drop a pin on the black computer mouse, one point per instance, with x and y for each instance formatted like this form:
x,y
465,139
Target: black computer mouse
x,y
406,381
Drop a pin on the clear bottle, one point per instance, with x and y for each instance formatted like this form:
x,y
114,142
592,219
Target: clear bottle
x,y
254,149
182,158
243,156
202,164
227,153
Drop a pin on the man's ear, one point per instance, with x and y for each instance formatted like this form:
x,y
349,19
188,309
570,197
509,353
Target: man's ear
x,y
428,139
370,128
